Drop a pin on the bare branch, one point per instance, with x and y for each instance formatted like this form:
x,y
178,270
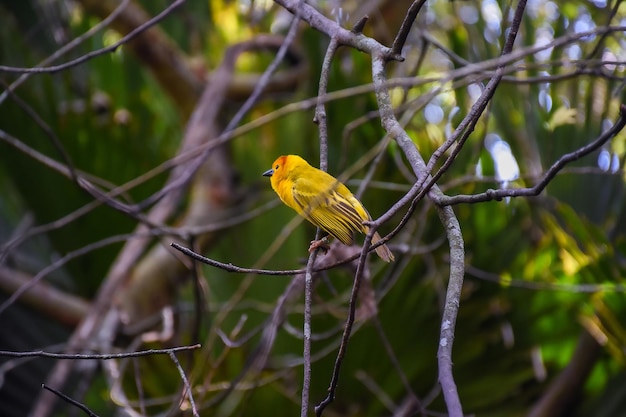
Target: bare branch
x,y
307,330
100,356
344,37
347,331
71,45
550,173
403,33
112,48
70,400
229,267
183,376
453,231
320,119
320,109
232,268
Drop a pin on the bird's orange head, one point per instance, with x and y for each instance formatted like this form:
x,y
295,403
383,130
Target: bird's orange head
x,y
284,167
277,169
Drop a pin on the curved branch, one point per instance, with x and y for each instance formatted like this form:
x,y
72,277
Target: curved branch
x,y
453,232
344,36
548,176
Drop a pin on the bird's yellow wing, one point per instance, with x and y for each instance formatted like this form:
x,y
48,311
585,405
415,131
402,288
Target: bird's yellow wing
x,y
332,209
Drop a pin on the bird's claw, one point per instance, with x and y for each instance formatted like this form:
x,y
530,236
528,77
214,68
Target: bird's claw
x,y
321,244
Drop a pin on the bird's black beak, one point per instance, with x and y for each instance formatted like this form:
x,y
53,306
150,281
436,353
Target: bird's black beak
x,y
268,173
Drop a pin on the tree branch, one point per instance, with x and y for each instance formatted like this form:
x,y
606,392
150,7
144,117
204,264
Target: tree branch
x,y
453,232
407,23
548,176
344,37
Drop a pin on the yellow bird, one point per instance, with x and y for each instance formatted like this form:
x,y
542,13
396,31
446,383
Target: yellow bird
x,y
321,199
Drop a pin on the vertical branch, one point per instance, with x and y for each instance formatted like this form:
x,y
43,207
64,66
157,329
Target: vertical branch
x,y
455,238
320,119
453,232
347,330
447,216
187,387
320,109
308,296
450,310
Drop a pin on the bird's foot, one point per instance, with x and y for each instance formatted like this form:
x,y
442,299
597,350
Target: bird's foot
x,y
322,244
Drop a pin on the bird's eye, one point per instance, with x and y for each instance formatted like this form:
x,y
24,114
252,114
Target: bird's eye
x,y
277,166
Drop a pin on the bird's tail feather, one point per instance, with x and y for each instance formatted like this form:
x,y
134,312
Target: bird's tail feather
x,y
383,251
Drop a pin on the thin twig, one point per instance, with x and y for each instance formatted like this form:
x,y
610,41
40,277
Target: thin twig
x,y
80,181
307,330
347,331
69,46
70,400
229,267
265,77
139,386
101,356
183,376
233,268
320,109
45,127
405,28
88,56
547,176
